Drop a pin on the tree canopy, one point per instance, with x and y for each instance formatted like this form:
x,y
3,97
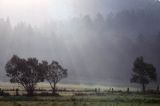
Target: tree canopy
x,y
143,73
29,72
54,72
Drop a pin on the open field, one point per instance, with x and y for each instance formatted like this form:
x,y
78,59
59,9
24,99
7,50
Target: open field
x,y
79,96
109,100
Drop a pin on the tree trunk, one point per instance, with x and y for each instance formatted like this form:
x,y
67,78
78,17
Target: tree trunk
x,y
143,88
30,92
54,89
157,88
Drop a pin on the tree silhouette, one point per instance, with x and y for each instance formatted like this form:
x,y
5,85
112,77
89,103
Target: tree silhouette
x,y
143,73
24,72
54,73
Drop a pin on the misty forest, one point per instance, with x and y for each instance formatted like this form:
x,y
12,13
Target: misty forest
x,y
79,53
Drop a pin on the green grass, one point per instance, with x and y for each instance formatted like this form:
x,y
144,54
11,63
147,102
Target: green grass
x,y
109,100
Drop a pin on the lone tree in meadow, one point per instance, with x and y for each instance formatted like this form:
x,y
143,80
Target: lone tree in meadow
x,y
54,72
24,72
143,73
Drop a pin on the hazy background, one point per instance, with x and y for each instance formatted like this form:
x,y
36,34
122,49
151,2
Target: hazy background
x,y
96,40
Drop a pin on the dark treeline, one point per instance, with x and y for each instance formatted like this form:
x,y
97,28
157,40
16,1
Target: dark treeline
x,y
95,48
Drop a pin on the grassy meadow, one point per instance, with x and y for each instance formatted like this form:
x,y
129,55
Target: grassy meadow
x,y
78,96
108,100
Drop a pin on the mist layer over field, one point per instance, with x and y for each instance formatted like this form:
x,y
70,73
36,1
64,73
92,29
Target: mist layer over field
x,y
97,41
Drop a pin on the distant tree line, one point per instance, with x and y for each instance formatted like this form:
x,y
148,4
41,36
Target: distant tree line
x,y
29,72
